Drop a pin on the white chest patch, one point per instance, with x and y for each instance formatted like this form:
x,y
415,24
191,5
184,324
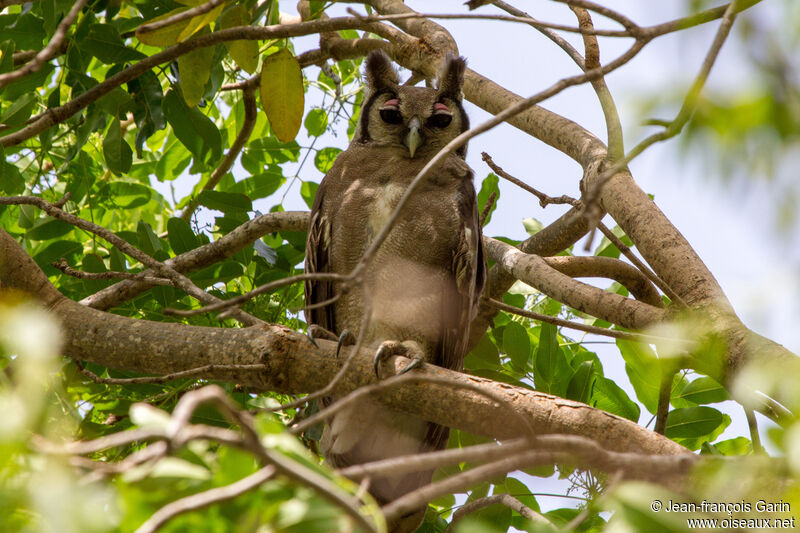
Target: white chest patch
x,y
383,207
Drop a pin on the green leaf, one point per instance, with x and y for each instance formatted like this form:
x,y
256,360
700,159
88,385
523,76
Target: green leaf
x,y
195,130
180,236
225,201
582,382
118,154
26,31
19,110
325,158
692,422
199,22
551,369
316,122
532,226
609,397
489,185
55,251
484,355
282,95
644,371
194,70
517,345
125,194
244,52
703,390
48,228
104,42
308,190
259,186
11,181
736,446
148,240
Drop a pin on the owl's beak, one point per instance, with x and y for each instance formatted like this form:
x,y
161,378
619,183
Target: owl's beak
x,y
413,137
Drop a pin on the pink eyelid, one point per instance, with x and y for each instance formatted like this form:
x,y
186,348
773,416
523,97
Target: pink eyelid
x,y
394,102
438,106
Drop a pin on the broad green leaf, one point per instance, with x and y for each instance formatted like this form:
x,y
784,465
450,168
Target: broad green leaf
x,y
194,69
644,371
325,158
118,154
692,422
703,390
484,355
195,130
166,36
259,186
225,201
489,185
55,251
104,42
244,52
19,110
282,94
308,190
125,194
149,242
608,396
180,236
517,345
173,161
26,31
48,228
316,122
736,446
582,382
551,369
11,181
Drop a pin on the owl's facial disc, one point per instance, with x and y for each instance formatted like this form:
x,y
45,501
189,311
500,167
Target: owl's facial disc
x,y
413,137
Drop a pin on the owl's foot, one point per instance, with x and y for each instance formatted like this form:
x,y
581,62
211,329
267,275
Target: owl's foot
x,y
315,332
318,332
410,349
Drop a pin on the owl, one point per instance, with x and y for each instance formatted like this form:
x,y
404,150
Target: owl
x,y
423,285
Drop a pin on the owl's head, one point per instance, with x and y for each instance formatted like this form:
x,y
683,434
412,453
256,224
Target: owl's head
x,y
417,120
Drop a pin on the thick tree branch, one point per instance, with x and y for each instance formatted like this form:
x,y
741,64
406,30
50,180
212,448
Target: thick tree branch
x,y
295,366
534,271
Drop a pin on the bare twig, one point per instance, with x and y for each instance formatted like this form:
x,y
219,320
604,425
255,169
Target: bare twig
x,y
503,499
178,279
487,208
48,52
639,337
110,274
683,116
544,200
192,372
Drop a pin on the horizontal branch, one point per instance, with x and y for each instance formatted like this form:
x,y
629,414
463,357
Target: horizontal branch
x,y
534,271
295,366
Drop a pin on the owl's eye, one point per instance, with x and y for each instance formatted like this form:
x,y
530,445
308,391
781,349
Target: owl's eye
x,y
390,113
440,119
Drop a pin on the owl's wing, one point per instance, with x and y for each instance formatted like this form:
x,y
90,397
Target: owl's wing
x,y
318,260
468,268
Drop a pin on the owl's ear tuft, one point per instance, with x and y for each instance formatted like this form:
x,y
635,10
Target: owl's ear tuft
x,y
452,77
380,72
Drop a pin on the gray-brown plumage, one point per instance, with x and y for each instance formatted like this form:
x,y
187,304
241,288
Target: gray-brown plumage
x,y
425,280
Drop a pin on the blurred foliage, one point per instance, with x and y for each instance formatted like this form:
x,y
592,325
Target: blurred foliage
x,y
175,123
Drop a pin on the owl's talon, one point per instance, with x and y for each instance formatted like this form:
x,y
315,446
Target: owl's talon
x,y
409,349
346,338
314,332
